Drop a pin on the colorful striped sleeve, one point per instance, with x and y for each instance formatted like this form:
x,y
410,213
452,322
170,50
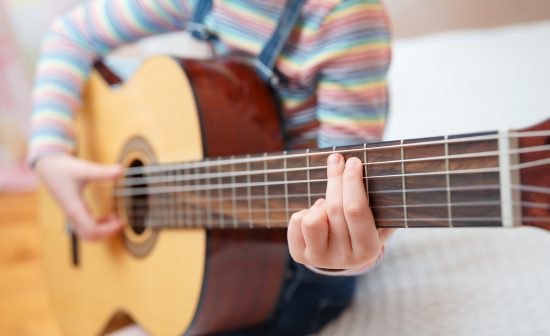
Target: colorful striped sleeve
x,y
68,51
353,56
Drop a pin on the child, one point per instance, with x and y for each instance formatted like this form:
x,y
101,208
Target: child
x,y
332,86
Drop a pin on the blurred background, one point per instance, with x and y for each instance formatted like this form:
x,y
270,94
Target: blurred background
x,y
458,66
22,24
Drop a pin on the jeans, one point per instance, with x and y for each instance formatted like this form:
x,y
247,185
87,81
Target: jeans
x,y
308,302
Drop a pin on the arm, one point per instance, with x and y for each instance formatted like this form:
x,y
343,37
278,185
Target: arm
x,y
354,59
351,59
70,47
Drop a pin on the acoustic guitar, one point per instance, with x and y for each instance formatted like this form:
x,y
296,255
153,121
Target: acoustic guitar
x,y
208,191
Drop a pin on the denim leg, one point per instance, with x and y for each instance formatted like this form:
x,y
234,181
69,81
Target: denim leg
x,y
316,300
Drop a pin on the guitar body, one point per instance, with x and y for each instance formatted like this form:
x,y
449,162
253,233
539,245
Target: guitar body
x,y
169,281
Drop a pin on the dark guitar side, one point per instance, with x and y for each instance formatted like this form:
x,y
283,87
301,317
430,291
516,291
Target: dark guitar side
x,y
244,270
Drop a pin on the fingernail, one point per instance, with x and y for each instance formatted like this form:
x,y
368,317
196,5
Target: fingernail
x,y
353,162
334,158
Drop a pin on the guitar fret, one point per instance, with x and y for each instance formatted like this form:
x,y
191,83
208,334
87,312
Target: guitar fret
x,y
448,180
170,200
188,212
233,193
267,219
208,201
220,196
159,209
183,203
478,179
198,210
403,184
286,186
174,198
308,179
249,196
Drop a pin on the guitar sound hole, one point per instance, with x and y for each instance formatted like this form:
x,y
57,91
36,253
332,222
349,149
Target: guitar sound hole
x,y
137,204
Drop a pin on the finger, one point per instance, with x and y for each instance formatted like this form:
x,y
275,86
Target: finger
x,y
85,226
80,219
362,229
296,242
339,234
315,230
93,171
107,227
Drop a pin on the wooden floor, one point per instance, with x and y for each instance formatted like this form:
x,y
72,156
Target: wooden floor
x,y
24,309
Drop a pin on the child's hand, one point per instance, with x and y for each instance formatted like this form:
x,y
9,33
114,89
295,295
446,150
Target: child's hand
x,y
66,177
339,232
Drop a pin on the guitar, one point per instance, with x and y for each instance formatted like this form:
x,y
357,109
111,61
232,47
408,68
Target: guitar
x,y
208,191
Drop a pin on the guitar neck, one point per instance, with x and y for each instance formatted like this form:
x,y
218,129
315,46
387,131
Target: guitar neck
x,y
455,181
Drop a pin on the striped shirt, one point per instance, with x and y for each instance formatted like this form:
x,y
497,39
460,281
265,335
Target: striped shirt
x,y
335,62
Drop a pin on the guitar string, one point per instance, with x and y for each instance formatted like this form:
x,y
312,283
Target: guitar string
x,y
520,187
141,211
151,180
165,203
275,223
129,181
327,151
142,191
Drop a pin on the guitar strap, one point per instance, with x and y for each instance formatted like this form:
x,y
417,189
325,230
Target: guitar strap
x,y
265,61
196,25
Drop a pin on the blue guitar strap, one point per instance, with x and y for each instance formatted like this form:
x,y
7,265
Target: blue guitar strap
x,y
196,25
265,61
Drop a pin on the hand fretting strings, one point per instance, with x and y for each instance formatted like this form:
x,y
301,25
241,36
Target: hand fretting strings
x,y
172,178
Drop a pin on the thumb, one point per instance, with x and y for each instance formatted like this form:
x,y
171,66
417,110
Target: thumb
x,y
93,171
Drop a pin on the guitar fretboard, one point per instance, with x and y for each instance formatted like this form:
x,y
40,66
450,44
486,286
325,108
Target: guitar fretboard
x,y
453,181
